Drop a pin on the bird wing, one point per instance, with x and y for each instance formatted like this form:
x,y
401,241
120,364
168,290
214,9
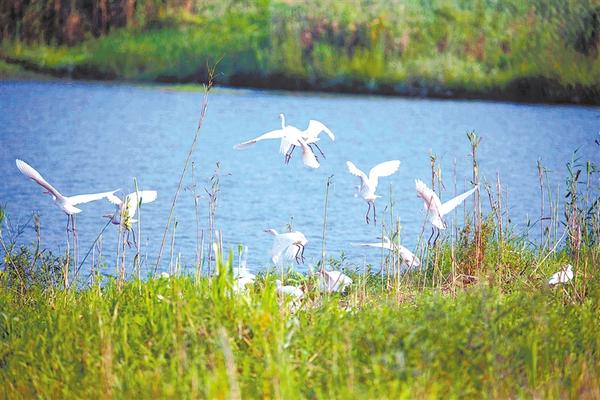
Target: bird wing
x,y
308,157
276,134
283,248
133,199
357,172
384,169
453,203
315,128
114,199
30,172
408,257
431,199
86,198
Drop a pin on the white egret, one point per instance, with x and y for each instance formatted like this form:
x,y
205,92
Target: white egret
x,y
65,203
291,137
310,135
127,207
434,207
333,281
289,290
563,276
407,256
368,184
241,271
288,245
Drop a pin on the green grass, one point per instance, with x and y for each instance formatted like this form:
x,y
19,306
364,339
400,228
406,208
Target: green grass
x,y
506,48
186,338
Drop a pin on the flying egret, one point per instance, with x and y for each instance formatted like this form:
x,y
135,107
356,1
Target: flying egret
x,y
310,135
333,281
407,256
289,290
291,137
288,245
563,276
65,203
434,207
368,184
127,207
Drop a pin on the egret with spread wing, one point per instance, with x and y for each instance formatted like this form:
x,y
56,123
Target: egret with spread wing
x,y
288,245
368,184
409,260
434,207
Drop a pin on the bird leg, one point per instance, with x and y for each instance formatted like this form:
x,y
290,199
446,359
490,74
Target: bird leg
x,y
317,146
430,236
302,254
367,214
436,237
297,254
374,215
288,155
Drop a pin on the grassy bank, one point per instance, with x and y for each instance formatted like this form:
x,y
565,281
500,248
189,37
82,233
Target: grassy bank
x,y
542,51
186,338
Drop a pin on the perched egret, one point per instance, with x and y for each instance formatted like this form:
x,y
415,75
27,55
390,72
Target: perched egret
x,y
333,281
368,184
563,276
241,271
289,290
290,137
288,245
407,256
434,207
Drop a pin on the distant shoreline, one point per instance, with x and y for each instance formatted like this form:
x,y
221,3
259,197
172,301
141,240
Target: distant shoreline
x,y
537,90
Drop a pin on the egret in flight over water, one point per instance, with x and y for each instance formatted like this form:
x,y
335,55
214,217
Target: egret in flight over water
x,y
368,184
408,258
292,137
65,203
127,207
434,207
288,246
310,135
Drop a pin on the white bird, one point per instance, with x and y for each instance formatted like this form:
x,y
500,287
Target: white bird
x,y
65,203
240,284
434,207
126,208
288,245
333,281
368,184
241,271
310,135
291,137
563,276
289,290
407,256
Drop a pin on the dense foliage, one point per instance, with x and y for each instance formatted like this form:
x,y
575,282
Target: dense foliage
x,y
543,50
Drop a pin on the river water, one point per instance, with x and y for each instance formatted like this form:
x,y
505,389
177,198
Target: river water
x,y
85,137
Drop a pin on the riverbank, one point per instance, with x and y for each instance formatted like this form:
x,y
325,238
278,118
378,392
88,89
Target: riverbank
x,y
513,52
182,337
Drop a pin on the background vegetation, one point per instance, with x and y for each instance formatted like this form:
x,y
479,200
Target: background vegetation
x,y
538,50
